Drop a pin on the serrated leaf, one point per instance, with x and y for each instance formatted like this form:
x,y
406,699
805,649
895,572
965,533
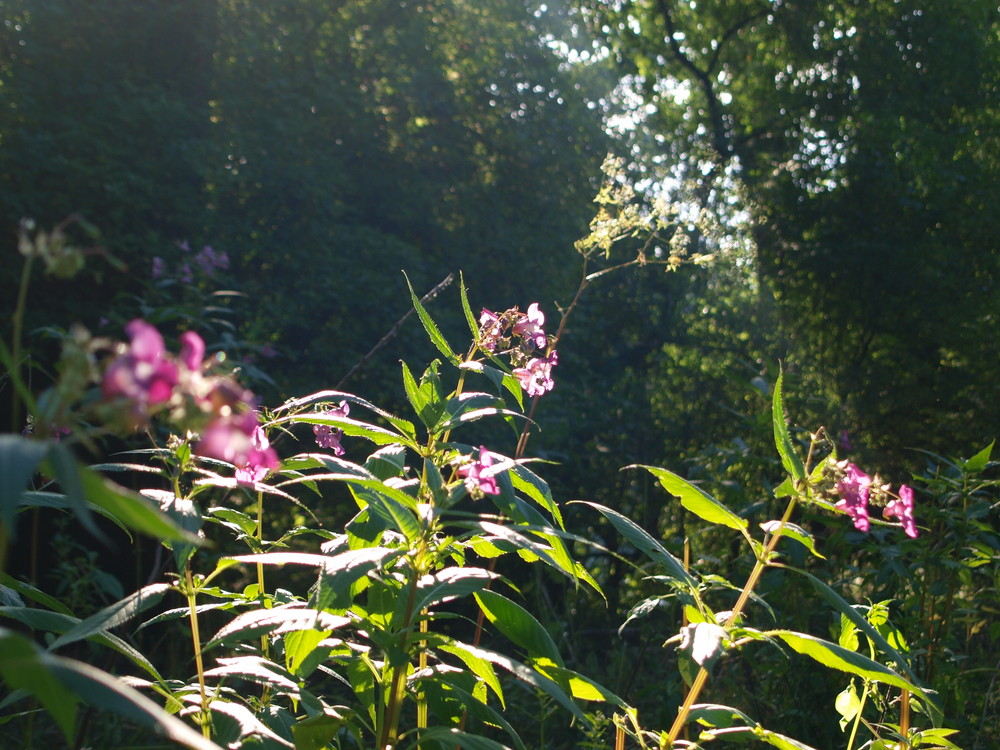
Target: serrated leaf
x,y
116,614
694,499
387,462
837,657
451,583
249,724
645,543
470,318
283,619
531,677
537,489
782,440
341,571
430,326
256,669
841,605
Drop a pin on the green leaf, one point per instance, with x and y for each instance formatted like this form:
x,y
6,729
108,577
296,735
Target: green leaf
x,y
695,500
537,489
451,583
531,677
479,666
431,327
82,681
449,737
978,462
23,667
579,686
340,572
249,724
837,657
792,531
256,669
717,716
418,400
30,592
58,622
299,646
353,428
470,318
780,741
847,610
782,440
645,543
114,615
519,625
388,462
19,459
848,704
283,619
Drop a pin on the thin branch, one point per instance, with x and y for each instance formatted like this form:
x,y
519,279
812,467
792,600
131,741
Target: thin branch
x,y
395,329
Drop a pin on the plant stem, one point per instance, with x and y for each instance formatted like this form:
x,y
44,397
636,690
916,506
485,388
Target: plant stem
x,y
699,681
204,718
18,324
397,688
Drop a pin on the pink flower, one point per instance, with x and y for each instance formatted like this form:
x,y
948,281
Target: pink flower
x,y
530,326
854,496
192,350
239,439
260,460
902,508
328,436
490,330
536,376
477,475
143,373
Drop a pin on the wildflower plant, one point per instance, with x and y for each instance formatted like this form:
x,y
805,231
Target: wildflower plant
x,y
403,628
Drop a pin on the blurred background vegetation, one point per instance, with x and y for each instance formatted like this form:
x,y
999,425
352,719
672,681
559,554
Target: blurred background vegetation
x,y
833,168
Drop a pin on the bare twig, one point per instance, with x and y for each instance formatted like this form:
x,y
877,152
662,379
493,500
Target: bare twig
x,y
395,329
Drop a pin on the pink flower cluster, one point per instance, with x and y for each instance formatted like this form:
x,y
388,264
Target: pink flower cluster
x,y
207,260
523,336
856,489
145,378
328,436
479,477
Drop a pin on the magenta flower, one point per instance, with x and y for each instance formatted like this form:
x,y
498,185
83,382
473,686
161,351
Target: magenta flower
x,y
853,490
328,436
902,508
530,326
239,439
260,460
536,376
192,350
490,330
478,476
143,373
